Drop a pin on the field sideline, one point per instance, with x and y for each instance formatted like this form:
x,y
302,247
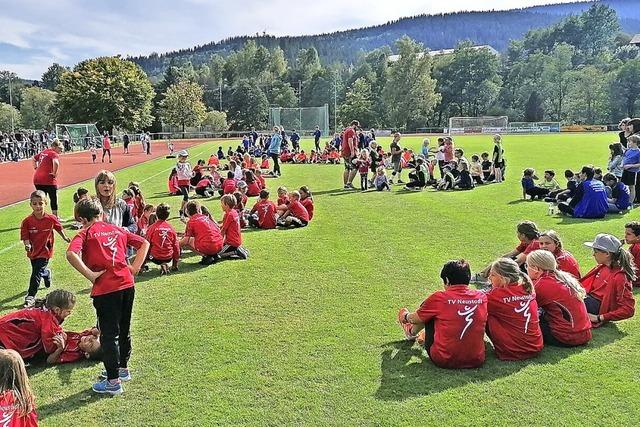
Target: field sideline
x,y
304,332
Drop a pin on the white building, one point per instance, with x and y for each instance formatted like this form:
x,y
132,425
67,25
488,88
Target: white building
x,y
432,53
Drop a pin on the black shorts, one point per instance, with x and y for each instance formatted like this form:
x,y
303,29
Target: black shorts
x,y
499,165
297,222
628,178
348,164
160,261
52,192
184,190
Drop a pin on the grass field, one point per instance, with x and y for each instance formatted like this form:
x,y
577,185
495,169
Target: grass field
x,y
305,332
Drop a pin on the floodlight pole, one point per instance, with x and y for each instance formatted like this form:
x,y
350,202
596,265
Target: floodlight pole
x,y
220,88
335,102
11,104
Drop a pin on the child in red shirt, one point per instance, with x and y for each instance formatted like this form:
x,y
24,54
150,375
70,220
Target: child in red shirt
x,y
564,320
36,232
143,222
513,324
307,200
282,202
202,234
296,214
230,229
609,284
264,164
450,323
163,239
253,186
17,403
263,214
172,183
632,238
260,178
76,346
550,241
228,185
31,331
99,253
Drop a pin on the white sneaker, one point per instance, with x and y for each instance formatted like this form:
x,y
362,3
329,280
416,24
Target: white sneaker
x,y
29,302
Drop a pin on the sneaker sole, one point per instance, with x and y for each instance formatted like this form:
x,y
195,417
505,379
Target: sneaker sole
x,y
110,393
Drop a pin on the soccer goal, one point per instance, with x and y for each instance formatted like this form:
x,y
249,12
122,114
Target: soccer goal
x,y
302,119
487,124
81,135
534,127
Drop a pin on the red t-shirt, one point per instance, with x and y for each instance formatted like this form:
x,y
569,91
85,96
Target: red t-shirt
x,y
40,233
264,164
143,223
282,200
349,133
231,228
72,352
298,211
635,252
266,211
203,183
29,331
253,188
206,234
460,316
513,323
10,416
213,160
261,182
163,241
567,315
104,247
42,175
527,248
106,143
307,202
173,185
229,186
566,262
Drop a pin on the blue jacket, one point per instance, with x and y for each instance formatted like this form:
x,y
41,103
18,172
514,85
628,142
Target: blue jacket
x,y
593,203
621,193
276,141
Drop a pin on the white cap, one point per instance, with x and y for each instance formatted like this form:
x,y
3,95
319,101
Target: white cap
x,y
183,153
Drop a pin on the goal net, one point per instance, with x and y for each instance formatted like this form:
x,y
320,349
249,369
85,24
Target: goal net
x,y
81,135
487,124
302,119
533,127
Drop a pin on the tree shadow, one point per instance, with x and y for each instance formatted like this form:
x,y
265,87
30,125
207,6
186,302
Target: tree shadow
x,y
184,267
407,371
333,191
518,201
565,219
63,370
5,230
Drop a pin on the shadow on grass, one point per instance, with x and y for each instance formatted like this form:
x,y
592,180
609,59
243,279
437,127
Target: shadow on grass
x,y
403,378
184,267
518,201
564,219
333,191
4,302
3,230
68,404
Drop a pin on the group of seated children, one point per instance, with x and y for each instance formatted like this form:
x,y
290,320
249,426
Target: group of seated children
x,y
535,297
588,193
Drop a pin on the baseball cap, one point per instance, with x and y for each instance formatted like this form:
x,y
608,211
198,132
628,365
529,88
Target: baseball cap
x,y
242,184
183,153
605,242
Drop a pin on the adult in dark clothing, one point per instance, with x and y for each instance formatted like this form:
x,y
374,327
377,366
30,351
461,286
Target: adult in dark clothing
x,y
590,199
125,143
295,140
316,138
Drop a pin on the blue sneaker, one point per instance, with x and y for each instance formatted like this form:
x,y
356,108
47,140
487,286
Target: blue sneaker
x,y
123,375
107,387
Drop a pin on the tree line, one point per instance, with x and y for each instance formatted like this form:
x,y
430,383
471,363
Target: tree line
x,y
578,70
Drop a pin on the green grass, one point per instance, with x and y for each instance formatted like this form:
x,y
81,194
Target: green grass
x,y
304,332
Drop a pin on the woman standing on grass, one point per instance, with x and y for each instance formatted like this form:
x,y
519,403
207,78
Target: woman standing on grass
x,y
274,150
47,165
498,158
116,211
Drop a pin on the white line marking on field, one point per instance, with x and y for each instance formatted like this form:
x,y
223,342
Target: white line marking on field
x,y
8,248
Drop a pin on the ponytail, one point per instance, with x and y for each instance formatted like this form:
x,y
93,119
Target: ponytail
x,y
525,280
545,261
624,260
572,283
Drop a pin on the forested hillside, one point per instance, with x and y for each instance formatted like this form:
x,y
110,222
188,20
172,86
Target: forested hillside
x,y
433,31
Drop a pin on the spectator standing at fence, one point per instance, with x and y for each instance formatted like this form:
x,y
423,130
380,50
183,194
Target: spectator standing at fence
x,y
46,165
66,139
316,138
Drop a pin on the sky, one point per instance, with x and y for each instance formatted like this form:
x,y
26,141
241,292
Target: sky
x,y
35,34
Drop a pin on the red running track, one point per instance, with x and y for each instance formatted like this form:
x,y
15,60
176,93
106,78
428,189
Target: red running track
x,y
16,178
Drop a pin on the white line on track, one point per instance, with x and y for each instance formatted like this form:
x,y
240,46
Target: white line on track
x,y
8,248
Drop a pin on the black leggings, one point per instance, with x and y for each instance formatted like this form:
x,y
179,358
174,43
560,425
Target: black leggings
x,y
52,192
105,151
38,269
547,336
184,190
536,191
276,162
114,321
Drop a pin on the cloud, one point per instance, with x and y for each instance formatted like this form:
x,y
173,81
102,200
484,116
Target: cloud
x,y
68,31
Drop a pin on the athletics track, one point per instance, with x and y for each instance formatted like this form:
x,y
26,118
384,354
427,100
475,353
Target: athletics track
x,y
16,178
